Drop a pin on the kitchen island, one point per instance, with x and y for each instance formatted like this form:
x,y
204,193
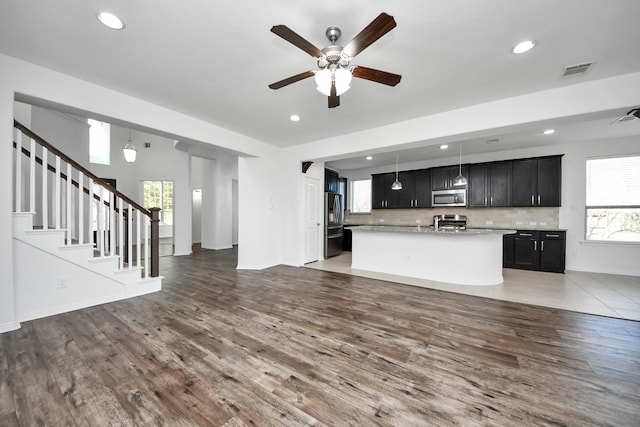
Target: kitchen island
x,y
465,257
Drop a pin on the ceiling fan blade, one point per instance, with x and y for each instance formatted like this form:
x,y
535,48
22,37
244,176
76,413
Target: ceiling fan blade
x,y
292,79
295,39
334,99
376,75
372,32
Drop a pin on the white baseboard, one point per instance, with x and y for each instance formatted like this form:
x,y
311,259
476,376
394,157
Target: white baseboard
x,y
9,326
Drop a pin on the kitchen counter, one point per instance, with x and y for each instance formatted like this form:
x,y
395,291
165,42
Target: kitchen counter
x,y
430,230
466,257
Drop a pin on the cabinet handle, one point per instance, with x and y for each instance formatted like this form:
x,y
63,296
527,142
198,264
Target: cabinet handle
x,y
538,199
552,235
532,203
526,234
485,200
535,245
542,246
415,205
491,200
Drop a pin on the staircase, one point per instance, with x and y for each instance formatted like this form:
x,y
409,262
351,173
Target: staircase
x,y
77,241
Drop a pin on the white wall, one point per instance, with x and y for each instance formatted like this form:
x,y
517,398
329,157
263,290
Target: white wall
x,y
262,229
196,216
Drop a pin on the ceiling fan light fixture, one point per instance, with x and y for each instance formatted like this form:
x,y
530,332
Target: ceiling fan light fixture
x,y
323,81
341,76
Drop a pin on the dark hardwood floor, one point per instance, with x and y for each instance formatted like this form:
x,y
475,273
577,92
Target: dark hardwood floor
x,y
295,346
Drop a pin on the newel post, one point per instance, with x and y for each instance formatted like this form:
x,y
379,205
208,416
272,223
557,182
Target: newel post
x,y
155,241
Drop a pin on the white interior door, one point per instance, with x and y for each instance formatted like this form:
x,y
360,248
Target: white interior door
x,y
312,219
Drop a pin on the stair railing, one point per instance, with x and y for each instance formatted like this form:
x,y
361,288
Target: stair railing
x,y
112,212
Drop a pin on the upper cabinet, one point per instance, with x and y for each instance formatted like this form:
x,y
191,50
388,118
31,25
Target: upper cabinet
x,y
442,177
489,184
382,196
415,193
522,182
331,181
537,182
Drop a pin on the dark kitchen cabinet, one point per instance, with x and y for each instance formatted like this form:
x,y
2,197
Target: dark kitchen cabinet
x,y
489,184
415,193
537,182
416,189
508,249
442,177
331,181
500,183
535,250
382,196
525,249
553,251
478,185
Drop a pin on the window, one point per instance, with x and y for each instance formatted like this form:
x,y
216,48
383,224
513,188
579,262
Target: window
x,y
613,199
99,142
159,194
360,192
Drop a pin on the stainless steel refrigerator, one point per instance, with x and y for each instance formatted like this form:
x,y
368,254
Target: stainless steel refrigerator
x,y
333,224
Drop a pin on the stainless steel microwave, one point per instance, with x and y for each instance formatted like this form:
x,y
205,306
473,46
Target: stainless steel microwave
x,y
452,197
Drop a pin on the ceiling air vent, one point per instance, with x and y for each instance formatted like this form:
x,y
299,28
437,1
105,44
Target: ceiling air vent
x,y
573,70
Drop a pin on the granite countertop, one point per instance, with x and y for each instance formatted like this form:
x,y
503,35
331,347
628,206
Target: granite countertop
x,y
430,230
513,229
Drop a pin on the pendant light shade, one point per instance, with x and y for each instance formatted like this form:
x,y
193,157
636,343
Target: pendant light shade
x,y
129,150
397,185
460,180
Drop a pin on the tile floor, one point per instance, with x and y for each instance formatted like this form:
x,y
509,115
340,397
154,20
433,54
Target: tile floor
x,y
594,293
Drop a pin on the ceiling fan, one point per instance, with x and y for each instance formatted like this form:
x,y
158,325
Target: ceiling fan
x,y
334,72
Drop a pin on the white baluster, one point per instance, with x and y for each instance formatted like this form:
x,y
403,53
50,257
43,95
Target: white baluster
x,y
91,214
130,240
121,232
138,240
80,208
58,195
45,191
147,255
68,208
100,232
18,180
112,225
32,177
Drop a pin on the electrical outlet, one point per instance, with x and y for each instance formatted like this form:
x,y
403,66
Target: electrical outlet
x,y
489,222
418,221
61,283
381,220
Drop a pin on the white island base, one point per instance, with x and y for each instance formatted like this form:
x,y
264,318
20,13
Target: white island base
x,y
471,257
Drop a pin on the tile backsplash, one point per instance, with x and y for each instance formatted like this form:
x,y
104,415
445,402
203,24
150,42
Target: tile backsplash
x,y
515,218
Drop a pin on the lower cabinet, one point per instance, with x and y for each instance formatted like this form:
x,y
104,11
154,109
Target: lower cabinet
x,y
535,250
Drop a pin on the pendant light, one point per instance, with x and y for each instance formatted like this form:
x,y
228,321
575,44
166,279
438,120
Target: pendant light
x,y
397,185
129,150
460,180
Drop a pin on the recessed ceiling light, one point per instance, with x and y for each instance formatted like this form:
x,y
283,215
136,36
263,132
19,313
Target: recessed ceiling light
x,y
524,46
548,131
294,118
111,20
369,157
444,146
